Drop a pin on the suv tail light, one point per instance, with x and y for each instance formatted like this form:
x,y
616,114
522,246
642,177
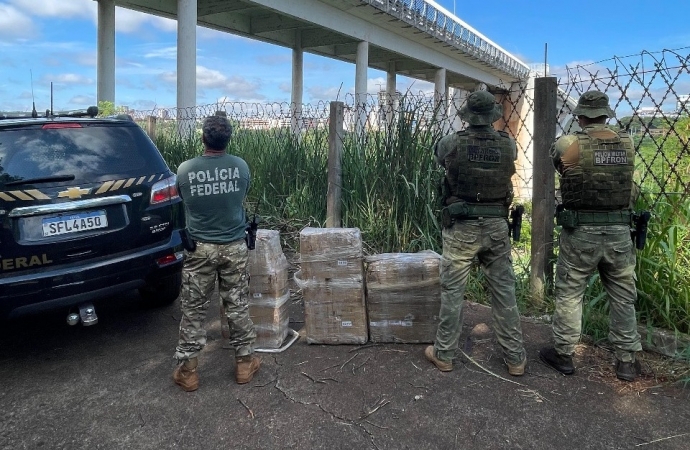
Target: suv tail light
x,y
164,190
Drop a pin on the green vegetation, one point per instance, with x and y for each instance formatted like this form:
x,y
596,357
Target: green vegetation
x,y
108,109
390,191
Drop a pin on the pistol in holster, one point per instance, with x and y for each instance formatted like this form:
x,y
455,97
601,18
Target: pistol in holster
x,y
515,224
453,211
567,218
250,233
638,230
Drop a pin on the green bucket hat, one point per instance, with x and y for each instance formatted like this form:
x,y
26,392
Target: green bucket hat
x,y
481,109
593,104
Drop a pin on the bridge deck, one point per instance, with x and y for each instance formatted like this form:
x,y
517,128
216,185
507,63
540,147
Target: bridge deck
x,y
414,34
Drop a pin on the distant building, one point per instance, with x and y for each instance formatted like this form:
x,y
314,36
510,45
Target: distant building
x,y
683,104
648,111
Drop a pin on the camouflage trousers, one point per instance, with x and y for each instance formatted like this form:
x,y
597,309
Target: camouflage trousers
x,y
488,241
225,264
583,251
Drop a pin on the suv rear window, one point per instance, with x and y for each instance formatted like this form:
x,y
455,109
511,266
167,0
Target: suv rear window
x,y
86,152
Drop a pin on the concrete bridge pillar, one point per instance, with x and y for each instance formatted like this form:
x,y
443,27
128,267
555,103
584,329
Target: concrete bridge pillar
x,y
106,52
186,66
362,64
297,85
441,98
392,101
518,120
457,101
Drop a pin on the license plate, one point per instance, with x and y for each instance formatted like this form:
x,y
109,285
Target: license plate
x,y
74,223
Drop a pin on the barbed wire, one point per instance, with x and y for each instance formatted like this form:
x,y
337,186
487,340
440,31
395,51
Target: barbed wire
x,y
629,87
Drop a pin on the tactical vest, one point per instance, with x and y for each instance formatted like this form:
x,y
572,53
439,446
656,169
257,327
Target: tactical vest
x,y
479,167
603,178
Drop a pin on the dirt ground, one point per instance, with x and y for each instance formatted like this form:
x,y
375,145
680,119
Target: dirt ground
x,y
109,386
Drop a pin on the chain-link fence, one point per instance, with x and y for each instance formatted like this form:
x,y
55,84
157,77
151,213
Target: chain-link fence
x,y
649,92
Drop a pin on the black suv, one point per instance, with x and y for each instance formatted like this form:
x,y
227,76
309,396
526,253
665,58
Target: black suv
x,y
88,209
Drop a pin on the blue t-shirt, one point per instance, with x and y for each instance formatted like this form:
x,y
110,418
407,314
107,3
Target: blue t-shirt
x,y
213,189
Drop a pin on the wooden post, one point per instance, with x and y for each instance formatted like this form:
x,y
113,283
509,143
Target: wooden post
x,y
151,127
543,194
335,154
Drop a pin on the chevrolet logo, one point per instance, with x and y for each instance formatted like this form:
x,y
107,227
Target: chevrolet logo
x,y
73,192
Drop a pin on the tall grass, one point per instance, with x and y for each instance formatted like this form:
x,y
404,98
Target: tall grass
x,y
390,191
663,266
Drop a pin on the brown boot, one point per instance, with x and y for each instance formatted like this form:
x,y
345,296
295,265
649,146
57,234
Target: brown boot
x,y
443,366
185,375
246,368
518,369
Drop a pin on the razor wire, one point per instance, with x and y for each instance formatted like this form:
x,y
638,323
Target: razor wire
x,y
649,92
650,95
373,119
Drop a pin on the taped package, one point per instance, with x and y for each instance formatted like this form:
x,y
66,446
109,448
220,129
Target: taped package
x,y
268,290
267,266
334,311
271,320
331,253
403,296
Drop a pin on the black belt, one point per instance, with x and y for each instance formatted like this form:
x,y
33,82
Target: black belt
x,y
570,219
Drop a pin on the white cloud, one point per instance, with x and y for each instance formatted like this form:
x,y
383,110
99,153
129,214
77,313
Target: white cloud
x,y
129,21
235,87
285,87
126,20
58,8
375,85
68,78
14,23
83,100
164,53
317,93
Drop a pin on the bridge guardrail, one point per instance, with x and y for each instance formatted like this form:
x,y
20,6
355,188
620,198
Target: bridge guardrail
x,y
424,16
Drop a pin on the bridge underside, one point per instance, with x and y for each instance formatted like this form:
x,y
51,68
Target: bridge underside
x,y
333,29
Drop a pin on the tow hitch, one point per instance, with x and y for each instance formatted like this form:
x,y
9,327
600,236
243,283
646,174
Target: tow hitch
x,y
87,316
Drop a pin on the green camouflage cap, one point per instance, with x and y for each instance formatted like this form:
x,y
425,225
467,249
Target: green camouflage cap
x,y
593,104
481,109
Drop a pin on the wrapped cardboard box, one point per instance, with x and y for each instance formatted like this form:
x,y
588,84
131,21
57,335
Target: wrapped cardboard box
x,y
268,250
271,320
403,296
334,311
331,253
267,266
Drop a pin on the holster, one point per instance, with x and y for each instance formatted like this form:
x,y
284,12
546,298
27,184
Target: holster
x,y
462,210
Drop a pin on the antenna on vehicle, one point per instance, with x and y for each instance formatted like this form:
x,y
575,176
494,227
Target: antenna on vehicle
x,y
34,113
51,98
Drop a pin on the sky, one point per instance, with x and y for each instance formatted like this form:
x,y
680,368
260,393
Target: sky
x,y
55,41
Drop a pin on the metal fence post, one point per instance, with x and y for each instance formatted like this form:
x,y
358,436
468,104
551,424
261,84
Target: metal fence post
x,y
335,153
543,194
151,127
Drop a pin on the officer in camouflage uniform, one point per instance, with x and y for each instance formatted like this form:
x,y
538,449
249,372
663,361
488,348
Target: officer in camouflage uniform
x,y
596,171
479,163
213,187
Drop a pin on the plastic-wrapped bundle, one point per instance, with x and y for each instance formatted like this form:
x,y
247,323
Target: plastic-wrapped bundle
x,y
267,266
268,290
271,320
332,282
403,296
334,311
331,253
